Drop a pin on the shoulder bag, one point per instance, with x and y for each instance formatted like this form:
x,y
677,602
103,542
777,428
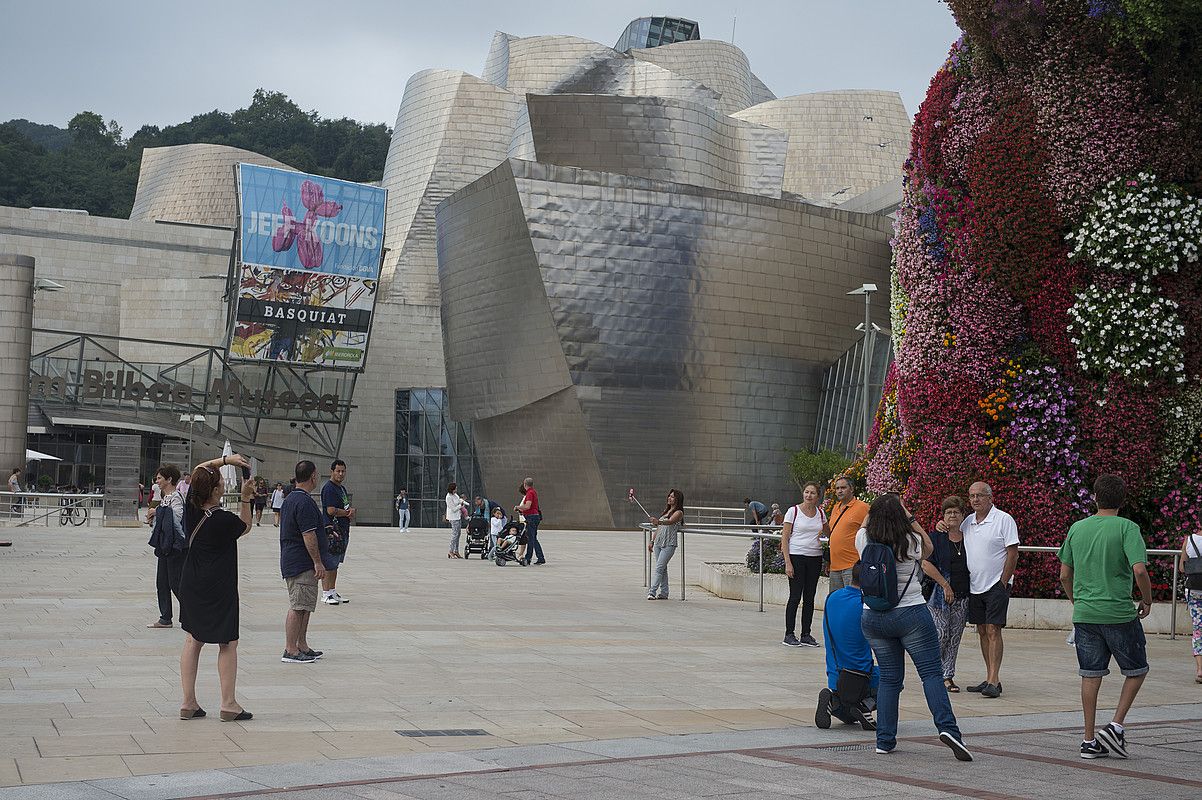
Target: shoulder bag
x,y
1193,567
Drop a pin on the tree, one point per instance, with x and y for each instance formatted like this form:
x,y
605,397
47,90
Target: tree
x,y
89,166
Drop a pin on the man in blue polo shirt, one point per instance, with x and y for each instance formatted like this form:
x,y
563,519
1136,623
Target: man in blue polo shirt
x,y
336,510
847,649
301,563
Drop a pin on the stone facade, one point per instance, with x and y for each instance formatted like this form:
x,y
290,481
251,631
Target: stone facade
x,y
16,334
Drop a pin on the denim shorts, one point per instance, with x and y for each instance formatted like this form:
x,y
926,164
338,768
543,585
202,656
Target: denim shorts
x,y
1097,643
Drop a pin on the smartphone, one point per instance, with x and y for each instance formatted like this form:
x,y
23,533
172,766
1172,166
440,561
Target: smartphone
x,y
246,473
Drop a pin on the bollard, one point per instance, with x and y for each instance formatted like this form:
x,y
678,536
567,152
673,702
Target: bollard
x,y
680,538
1173,612
646,558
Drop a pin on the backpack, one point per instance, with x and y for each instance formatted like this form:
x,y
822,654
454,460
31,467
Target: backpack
x,y
878,577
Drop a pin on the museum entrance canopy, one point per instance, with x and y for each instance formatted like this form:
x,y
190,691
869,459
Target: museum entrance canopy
x,y
170,385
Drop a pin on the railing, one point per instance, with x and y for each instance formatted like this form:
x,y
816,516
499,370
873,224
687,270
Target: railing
x,y
29,507
744,532
710,515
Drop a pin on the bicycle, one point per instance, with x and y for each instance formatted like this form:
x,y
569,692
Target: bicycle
x,y
72,513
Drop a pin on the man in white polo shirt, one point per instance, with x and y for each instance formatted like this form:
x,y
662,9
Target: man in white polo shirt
x,y
991,549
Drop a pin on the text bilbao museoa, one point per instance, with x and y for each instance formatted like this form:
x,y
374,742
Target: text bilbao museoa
x,y
310,252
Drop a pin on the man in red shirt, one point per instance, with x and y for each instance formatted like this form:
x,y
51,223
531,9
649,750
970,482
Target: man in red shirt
x,y
530,510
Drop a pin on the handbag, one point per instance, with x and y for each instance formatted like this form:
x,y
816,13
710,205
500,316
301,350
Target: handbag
x,y
335,543
1193,568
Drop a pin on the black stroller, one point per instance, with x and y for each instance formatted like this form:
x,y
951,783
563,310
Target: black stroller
x,y
477,537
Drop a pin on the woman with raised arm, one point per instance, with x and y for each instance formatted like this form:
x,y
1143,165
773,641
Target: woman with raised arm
x,y
663,544
208,590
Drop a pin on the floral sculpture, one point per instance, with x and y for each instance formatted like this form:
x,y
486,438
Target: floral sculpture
x,y
1047,290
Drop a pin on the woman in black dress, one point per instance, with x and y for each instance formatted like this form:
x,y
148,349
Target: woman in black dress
x,y
208,591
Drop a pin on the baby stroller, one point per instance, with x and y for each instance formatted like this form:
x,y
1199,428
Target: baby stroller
x,y
477,537
513,535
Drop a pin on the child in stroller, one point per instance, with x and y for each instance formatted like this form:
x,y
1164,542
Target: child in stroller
x,y
511,544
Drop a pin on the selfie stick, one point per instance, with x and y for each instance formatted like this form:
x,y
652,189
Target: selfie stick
x,y
635,500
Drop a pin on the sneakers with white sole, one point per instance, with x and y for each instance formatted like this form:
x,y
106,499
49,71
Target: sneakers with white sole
x,y
1114,739
956,746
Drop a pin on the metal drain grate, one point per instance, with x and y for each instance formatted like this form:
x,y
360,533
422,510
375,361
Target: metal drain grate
x,y
445,732
844,748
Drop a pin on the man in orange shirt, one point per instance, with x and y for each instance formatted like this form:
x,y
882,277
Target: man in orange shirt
x,y
846,516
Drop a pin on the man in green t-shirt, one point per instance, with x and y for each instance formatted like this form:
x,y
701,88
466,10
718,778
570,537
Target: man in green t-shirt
x,y
1097,561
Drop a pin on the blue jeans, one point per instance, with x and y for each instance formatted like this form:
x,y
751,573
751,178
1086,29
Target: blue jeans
x,y
892,634
532,545
659,575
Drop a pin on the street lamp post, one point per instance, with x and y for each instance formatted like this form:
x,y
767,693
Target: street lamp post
x,y
867,411
191,419
299,428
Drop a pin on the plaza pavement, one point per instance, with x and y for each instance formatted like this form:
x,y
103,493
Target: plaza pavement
x,y
568,672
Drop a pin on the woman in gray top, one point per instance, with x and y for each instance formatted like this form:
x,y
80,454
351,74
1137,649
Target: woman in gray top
x,y
663,544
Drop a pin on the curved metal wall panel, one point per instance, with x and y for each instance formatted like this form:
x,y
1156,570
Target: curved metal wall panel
x,y
694,323
191,183
659,139
714,63
491,289
842,143
451,129
538,64
760,93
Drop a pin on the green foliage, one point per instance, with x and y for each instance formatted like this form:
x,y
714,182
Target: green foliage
x,y
821,466
91,166
44,483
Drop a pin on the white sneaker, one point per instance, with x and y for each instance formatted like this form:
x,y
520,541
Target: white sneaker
x,y
331,599
341,599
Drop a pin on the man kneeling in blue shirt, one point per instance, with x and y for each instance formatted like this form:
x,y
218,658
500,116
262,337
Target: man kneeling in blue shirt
x,y
851,676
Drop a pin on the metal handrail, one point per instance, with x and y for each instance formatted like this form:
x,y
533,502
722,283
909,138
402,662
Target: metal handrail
x,y
76,500
647,527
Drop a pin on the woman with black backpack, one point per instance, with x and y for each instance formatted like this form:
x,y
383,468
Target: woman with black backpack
x,y
896,620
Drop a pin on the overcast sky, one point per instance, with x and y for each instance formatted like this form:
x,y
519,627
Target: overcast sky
x,y
142,62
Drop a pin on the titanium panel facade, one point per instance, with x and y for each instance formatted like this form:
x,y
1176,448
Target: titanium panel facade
x,y
191,183
694,326
841,143
711,62
659,139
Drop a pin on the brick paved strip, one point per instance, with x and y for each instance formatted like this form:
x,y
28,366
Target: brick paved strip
x,y
771,754
956,790
1091,766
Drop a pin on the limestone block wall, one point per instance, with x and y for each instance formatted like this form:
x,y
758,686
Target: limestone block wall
x,y
93,257
16,318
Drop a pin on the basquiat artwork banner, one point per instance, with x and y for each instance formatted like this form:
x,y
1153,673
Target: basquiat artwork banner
x,y
302,317
309,252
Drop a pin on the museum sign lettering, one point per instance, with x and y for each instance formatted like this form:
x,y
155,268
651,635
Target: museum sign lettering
x,y
125,386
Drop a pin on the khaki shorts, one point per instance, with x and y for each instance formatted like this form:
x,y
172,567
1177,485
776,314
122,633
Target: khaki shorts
x,y
302,591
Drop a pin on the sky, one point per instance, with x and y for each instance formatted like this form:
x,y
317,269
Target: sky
x,y
141,62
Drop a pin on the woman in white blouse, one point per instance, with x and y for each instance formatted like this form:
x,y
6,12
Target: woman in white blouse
x,y
455,505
